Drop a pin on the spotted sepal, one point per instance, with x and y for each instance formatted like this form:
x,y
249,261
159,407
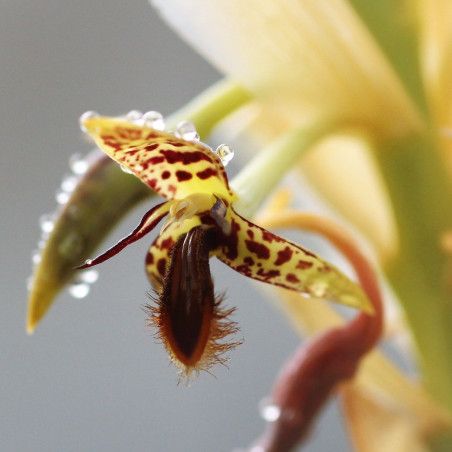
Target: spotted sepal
x,y
147,224
173,167
264,256
159,254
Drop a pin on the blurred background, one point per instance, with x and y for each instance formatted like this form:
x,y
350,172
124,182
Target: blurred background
x,y
92,378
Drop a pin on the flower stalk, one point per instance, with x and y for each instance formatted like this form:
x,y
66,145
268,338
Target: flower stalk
x,y
259,178
421,195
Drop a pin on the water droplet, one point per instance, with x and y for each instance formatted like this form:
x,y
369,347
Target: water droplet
x,y
88,276
88,261
36,257
69,183
61,196
187,131
30,282
47,222
225,152
268,410
126,170
87,115
78,164
154,120
318,288
79,290
134,115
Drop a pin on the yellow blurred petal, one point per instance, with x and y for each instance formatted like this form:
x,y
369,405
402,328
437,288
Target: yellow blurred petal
x,y
304,59
343,172
435,19
375,427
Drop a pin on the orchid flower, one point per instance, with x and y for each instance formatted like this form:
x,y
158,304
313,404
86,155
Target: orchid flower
x,y
201,222
356,95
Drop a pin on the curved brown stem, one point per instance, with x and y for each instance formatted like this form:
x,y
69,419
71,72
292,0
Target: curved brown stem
x,y
316,369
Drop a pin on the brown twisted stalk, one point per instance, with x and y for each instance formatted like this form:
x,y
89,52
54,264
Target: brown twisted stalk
x,y
317,368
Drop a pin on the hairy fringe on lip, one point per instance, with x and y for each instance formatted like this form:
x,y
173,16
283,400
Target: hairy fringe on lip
x,y
220,327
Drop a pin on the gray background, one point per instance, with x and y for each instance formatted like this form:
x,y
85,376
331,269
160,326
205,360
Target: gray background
x,y
91,378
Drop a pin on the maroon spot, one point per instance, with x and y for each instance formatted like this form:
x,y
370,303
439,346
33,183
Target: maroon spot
x,y
257,248
208,172
284,256
128,134
307,252
250,233
266,275
176,144
269,237
303,265
155,160
166,175
161,266
149,258
183,175
151,147
184,157
152,183
231,241
167,244
131,152
248,261
244,270
172,188
292,278
151,135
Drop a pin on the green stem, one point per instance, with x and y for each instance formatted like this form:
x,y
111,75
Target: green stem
x,y
211,106
264,172
422,200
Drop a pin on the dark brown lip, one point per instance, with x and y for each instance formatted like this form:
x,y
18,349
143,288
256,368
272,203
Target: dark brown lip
x,y
188,296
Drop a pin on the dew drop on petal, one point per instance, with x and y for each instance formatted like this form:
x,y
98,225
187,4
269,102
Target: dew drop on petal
x,y
126,170
29,282
88,276
134,115
87,115
187,131
318,288
154,120
268,410
225,152
61,196
79,290
69,183
78,164
36,257
47,222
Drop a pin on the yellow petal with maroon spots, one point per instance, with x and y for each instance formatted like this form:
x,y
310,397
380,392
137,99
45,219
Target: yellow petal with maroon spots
x,y
173,167
262,255
159,253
